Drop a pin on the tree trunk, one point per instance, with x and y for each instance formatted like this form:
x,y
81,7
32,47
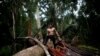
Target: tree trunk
x,y
32,51
37,50
13,32
29,27
13,17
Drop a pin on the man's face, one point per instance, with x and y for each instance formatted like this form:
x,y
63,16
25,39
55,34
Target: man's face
x,y
50,25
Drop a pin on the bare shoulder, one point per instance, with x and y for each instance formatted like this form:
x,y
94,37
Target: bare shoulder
x,y
54,28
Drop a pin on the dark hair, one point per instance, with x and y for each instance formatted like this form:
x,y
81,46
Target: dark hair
x,y
50,24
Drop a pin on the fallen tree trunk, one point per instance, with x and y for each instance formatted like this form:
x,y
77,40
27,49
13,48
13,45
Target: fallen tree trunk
x,y
32,51
37,50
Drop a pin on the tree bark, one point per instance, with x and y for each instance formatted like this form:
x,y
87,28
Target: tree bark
x,y
37,50
32,51
13,24
13,32
29,27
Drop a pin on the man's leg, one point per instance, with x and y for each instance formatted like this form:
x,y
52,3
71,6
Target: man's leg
x,y
53,39
46,40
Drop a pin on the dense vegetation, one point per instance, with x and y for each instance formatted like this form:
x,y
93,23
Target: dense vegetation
x,y
20,18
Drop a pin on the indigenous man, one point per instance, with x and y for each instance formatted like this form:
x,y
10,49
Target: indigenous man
x,y
51,33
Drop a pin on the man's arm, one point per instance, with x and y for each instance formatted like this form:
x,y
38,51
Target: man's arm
x,y
57,34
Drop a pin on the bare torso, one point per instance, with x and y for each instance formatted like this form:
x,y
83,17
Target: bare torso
x,y
51,31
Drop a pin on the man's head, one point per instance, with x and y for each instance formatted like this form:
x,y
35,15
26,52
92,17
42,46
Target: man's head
x,y
50,25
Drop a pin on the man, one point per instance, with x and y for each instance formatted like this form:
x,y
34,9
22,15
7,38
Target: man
x,y
51,33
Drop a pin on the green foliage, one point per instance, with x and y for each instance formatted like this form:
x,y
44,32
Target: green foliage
x,y
5,51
